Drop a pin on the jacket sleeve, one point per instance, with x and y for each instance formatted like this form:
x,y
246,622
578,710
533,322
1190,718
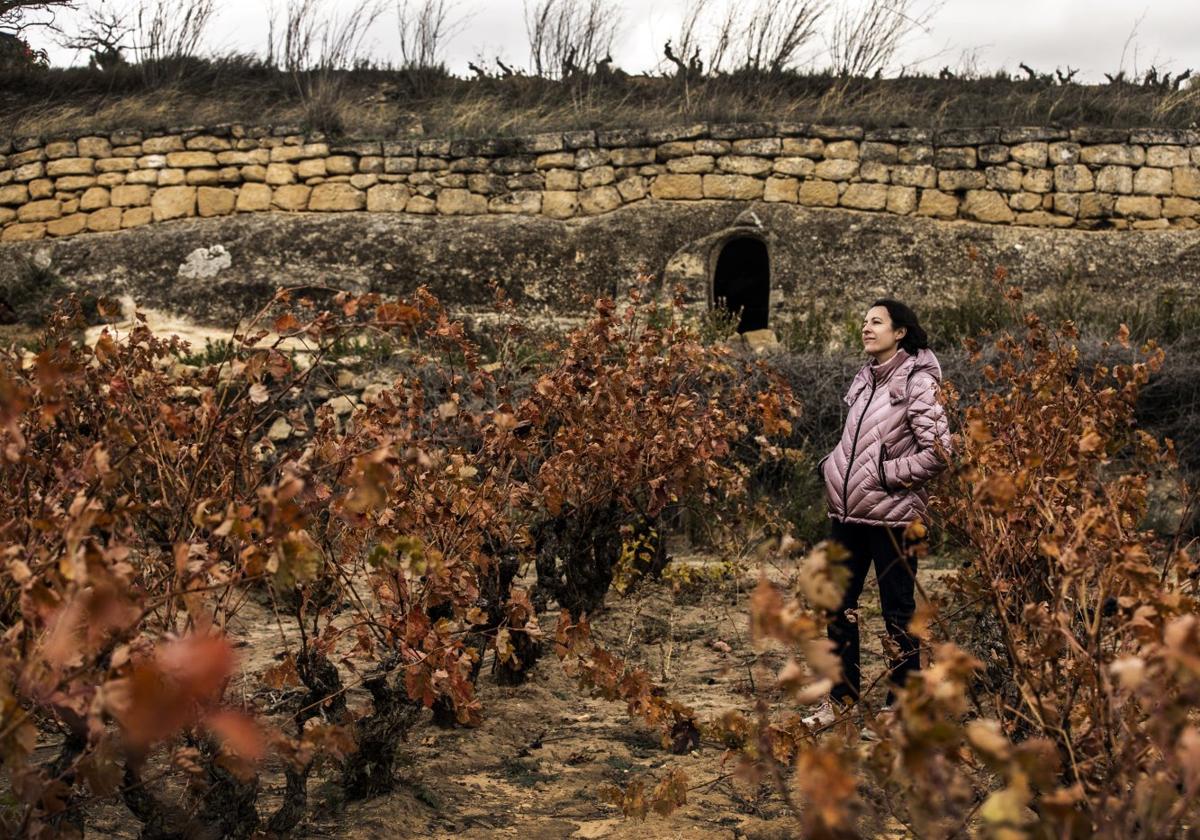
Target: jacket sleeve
x,y
927,419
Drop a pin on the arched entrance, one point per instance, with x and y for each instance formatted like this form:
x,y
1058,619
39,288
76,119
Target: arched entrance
x,y
741,281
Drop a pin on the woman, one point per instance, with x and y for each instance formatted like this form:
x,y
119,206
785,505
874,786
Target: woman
x,y
875,485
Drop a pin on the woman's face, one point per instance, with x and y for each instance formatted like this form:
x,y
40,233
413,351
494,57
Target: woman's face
x,y
877,334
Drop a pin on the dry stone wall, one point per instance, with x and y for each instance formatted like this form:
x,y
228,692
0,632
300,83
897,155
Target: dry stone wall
x,y
1087,178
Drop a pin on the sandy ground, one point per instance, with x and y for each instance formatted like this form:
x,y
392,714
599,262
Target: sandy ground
x,y
535,768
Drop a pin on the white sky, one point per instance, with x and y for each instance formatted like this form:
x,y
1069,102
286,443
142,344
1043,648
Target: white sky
x,y
1086,34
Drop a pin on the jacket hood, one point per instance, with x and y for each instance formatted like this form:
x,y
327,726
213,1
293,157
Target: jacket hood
x,y
924,361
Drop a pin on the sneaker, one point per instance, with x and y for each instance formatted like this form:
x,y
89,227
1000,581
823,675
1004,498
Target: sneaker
x,y
882,720
827,714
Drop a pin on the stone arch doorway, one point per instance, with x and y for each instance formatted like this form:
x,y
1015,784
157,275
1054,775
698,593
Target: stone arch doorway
x,y
741,280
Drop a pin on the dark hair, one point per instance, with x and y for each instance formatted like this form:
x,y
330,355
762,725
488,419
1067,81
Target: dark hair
x,y
914,337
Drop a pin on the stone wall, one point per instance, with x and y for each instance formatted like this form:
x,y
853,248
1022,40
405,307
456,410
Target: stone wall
x,y
1086,178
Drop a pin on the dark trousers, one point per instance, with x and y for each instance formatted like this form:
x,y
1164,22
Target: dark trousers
x,y
896,574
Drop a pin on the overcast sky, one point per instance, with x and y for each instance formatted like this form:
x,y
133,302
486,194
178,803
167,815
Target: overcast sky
x,y
1086,34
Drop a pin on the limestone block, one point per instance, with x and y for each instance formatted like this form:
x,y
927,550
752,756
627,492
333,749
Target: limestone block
x,y
1115,179
207,143
23,232
40,211
337,198
993,154
915,154
562,160
340,165
629,157
587,158
293,197
764,146
695,164
171,177
597,176
115,165
1139,207
152,162
809,147
865,197
70,166
254,174
113,179
1176,208
1151,224
1040,218
901,200
562,179
560,204
1067,204
951,180
677,187
421,205
75,183
1116,154
61,149
95,198
1038,181
800,166
842,150
311,168
371,165
291,154
106,220
279,174
1031,154
69,205
67,225
253,198
23,158
735,187
433,164
229,175
201,177
874,172
1004,179
135,195
963,157
14,194
514,164
707,146
257,157
1151,181
215,201
1025,201
632,188
881,152
599,200
127,151
987,206
744,165
1186,181
782,189
836,170
388,198
136,217
1063,154
398,165
938,204
1073,178
364,182
1096,205
818,194
914,176
94,147
189,160
675,149
173,203
486,184
528,202
460,203
1167,157
29,172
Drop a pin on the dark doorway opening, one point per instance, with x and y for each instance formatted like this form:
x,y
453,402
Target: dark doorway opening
x,y
742,282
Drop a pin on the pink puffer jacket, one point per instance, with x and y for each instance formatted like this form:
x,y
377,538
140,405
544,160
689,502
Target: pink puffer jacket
x,y
877,473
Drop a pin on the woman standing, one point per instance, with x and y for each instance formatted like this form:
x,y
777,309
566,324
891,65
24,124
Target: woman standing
x,y
895,440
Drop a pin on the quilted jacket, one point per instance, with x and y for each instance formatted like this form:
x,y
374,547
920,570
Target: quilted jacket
x,y
877,474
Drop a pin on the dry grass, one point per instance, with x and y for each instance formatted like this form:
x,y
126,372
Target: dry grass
x,y
380,102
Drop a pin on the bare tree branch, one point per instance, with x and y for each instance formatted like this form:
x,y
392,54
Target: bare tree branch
x,y
864,41
567,35
425,26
